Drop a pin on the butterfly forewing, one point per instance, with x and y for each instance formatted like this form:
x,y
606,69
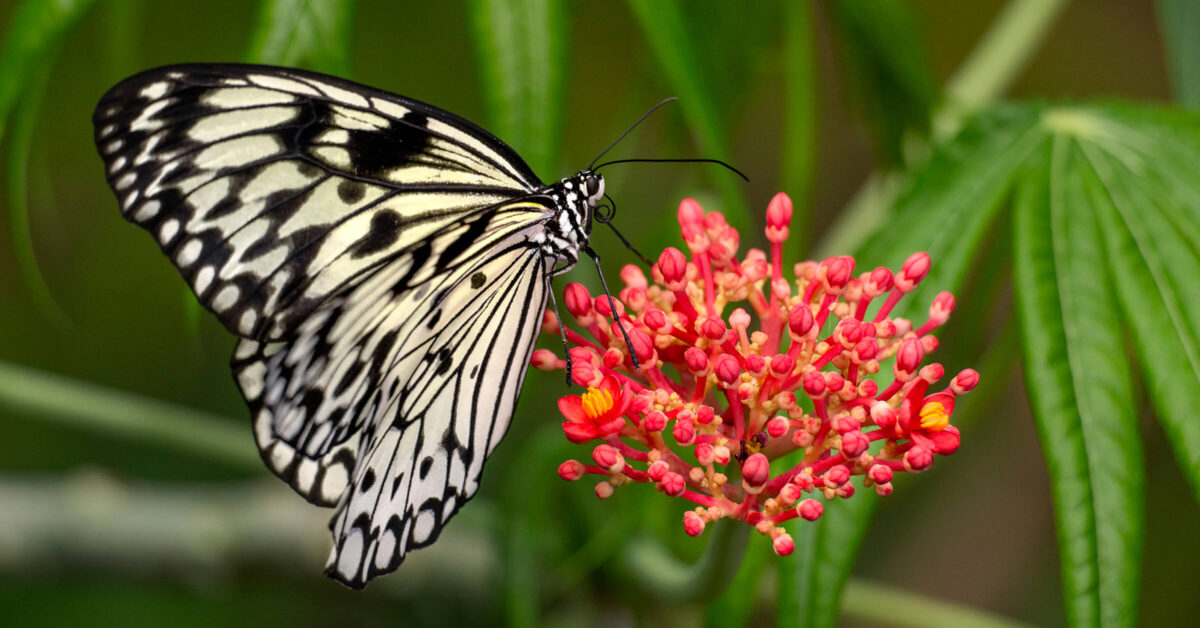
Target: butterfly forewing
x,y
272,189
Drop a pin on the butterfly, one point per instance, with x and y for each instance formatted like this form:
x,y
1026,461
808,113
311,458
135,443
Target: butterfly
x,y
384,264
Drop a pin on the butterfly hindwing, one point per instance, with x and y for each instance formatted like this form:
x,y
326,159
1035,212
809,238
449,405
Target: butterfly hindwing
x,y
272,189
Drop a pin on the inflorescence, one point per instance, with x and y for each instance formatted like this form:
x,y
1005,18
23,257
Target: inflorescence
x,y
720,391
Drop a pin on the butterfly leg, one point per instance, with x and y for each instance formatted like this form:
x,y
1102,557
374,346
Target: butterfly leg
x,y
562,331
612,305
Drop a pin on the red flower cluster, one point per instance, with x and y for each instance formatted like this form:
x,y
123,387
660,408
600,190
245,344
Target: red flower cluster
x,y
712,395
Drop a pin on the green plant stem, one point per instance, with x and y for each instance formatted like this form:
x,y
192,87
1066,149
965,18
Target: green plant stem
x,y
663,576
878,605
81,405
984,75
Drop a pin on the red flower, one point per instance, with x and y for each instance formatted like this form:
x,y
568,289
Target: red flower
x,y
596,413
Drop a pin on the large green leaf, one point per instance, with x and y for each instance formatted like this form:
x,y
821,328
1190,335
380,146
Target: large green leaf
x,y
1179,21
887,69
308,33
522,56
1079,383
800,122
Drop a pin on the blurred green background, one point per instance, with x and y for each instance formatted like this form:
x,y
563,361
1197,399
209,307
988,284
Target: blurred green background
x,y
125,527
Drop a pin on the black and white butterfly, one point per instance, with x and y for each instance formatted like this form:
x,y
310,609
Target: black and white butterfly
x,y
385,264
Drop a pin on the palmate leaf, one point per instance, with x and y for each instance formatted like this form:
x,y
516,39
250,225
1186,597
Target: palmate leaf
x,y
1106,253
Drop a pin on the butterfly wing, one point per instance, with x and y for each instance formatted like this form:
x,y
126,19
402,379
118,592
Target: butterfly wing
x,y
425,376
272,189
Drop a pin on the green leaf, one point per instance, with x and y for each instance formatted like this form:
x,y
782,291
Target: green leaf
x,y
31,43
887,69
810,588
1079,384
313,34
800,126
677,53
520,46
736,605
1179,21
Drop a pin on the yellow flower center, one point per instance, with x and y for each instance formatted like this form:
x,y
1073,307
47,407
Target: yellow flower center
x,y
934,417
596,403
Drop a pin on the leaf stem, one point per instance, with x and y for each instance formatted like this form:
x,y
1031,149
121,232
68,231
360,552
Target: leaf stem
x,y
81,405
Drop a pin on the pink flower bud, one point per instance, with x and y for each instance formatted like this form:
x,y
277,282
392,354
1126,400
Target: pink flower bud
x,y
803,481
584,374
756,365
834,382
908,359
837,476
604,490
918,459
642,345
658,469
943,305
609,458
883,490
781,288
756,470
802,438
603,306
779,217
713,328
739,319
570,470
721,455
715,222
578,300
549,323
848,333
705,415
964,381
854,444
633,277
878,282
690,212
845,423
883,415
777,426
654,422
657,320
932,372
672,484
727,369
783,544
696,360
811,509
789,494
814,384
868,388
693,524
915,268
835,272
544,360
684,432
782,365
704,454
672,264
800,320
864,351
845,491
880,473
613,357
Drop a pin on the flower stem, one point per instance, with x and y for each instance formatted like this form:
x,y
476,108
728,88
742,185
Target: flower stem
x,y
878,605
663,576
77,404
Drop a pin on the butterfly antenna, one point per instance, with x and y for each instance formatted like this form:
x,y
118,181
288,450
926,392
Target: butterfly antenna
x,y
562,331
632,127
612,304
673,161
606,218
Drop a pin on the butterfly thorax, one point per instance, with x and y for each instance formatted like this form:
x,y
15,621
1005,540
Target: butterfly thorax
x,y
575,199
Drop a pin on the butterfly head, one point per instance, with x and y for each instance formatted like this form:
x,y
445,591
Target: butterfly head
x,y
591,186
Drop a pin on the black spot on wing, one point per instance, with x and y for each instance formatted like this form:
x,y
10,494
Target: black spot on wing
x,y
384,231
368,481
426,465
477,280
351,191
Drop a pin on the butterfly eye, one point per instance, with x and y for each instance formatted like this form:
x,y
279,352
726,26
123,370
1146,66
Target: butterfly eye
x,y
593,187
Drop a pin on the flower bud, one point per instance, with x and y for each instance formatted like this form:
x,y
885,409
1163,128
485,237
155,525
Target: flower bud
x,y
633,277
570,470
756,470
672,484
777,426
943,305
690,213
782,365
918,459
854,444
800,320
672,264
779,217
878,282
604,490
721,455
704,454
783,544
609,458
880,473
684,432
693,524
727,369
713,328
705,415
578,301
658,469
811,509
544,360
837,476
756,365
915,268
696,360
657,320
908,359
883,415
739,319
814,384
964,381
835,272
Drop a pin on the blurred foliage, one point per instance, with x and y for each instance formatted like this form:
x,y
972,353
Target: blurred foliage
x,y
1073,226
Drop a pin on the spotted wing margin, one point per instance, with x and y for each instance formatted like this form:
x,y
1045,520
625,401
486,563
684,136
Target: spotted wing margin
x,y
392,394
272,189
